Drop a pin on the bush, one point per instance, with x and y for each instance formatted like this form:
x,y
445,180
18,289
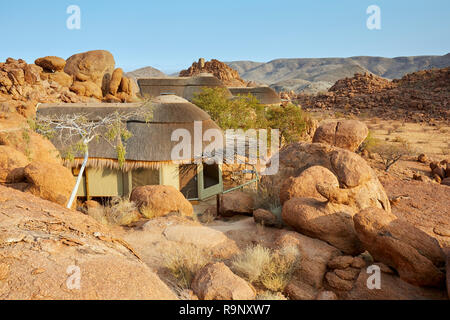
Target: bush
x,y
390,153
119,211
184,263
369,143
291,120
271,269
252,262
246,112
242,112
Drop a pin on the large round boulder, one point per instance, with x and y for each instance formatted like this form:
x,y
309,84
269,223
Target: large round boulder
x,y
11,164
322,220
51,63
414,254
116,79
49,252
356,178
157,201
34,146
49,181
236,202
346,134
62,78
216,281
96,66
304,185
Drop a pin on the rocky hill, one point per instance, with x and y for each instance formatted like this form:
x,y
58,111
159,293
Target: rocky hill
x,y
314,75
229,76
422,96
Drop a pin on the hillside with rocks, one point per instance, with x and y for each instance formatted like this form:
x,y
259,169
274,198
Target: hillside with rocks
x,y
422,96
315,75
84,77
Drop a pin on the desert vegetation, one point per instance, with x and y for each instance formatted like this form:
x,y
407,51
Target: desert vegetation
x,y
291,120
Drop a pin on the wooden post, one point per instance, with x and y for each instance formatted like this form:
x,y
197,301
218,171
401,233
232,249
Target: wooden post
x,y
218,198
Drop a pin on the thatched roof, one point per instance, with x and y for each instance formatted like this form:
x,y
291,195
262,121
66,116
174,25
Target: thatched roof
x,y
265,95
151,144
184,87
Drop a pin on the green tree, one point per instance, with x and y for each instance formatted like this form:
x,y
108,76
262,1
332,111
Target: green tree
x,y
291,120
241,112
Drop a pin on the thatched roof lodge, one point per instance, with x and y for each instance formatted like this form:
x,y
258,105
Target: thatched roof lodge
x,y
184,87
148,151
265,95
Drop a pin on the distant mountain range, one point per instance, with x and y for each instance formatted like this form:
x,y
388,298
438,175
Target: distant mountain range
x,y
319,74
147,72
311,75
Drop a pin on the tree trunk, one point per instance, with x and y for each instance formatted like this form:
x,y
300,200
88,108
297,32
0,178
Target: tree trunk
x,y
80,176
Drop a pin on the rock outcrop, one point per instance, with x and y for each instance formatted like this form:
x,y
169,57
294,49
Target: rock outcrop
x,y
236,202
50,182
418,97
345,134
323,221
315,255
414,254
156,201
304,185
77,258
220,70
331,219
216,281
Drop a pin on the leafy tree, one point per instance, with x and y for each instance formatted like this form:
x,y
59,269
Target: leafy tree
x,y
241,112
291,120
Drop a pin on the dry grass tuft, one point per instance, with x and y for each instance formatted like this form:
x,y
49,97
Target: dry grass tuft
x,y
185,262
119,211
271,269
251,263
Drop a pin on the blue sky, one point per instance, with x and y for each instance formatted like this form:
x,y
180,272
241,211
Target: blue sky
x,y
170,35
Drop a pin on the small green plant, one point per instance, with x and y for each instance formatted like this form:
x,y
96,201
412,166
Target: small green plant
x,y
369,143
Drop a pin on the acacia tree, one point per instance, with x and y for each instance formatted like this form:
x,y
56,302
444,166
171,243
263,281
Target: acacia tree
x,y
77,131
390,153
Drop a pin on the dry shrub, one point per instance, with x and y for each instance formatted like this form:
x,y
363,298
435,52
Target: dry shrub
x,y
122,212
266,196
279,271
251,262
98,214
271,269
184,262
208,216
119,211
390,153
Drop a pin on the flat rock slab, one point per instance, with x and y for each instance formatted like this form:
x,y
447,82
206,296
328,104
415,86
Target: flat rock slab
x,y
197,235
